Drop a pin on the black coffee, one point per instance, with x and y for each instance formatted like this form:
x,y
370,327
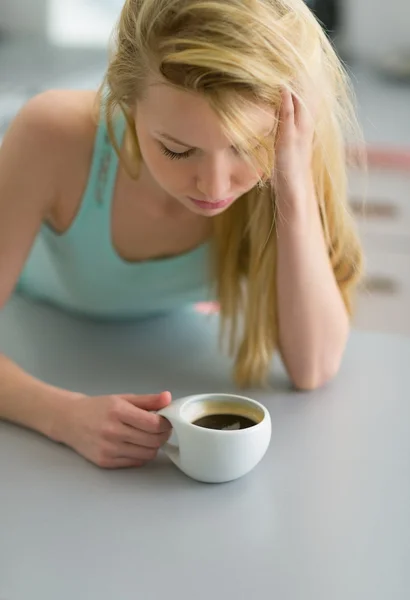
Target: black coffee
x,y
226,422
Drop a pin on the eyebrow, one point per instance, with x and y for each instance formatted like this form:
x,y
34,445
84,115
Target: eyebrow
x,y
180,143
172,139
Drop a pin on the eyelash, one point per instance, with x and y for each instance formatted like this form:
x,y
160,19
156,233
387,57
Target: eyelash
x,y
178,156
175,155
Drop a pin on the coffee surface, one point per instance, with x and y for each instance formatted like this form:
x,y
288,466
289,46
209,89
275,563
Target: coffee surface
x,y
226,422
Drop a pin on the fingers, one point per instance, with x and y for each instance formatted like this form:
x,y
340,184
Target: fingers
x,y
135,412
287,110
294,116
125,455
148,440
143,420
299,112
133,452
121,463
149,401
141,448
303,118
127,434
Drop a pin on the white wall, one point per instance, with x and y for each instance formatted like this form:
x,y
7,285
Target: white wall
x,y
24,16
82,22
374,27
65,22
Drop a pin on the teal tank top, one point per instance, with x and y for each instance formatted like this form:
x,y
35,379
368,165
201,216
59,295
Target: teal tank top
x,y
81,272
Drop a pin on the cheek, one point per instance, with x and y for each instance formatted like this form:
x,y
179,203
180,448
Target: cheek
x,y
159,165
250,175
170,171
172,175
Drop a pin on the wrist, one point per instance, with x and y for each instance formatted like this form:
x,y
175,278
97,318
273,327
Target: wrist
x,y
296,201
296,186
64,406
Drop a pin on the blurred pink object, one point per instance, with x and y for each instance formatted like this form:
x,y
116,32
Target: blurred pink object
x,y
207,308
383,157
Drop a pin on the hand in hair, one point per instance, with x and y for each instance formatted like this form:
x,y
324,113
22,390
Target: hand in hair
x,y
294,148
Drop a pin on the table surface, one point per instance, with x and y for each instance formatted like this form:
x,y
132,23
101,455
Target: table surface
x,y
326,514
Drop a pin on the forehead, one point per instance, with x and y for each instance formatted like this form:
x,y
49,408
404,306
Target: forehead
x,y
188,116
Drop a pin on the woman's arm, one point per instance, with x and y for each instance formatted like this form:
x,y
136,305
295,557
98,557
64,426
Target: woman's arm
x,y
112,431
27,195
32,403
313,320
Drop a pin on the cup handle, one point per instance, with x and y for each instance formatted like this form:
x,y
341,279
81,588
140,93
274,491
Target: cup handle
x,y
173,453
171,450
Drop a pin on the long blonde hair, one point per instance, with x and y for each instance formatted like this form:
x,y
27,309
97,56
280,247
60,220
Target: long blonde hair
x,y
236,52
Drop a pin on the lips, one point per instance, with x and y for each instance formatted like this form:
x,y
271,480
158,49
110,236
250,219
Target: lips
x,y
212,205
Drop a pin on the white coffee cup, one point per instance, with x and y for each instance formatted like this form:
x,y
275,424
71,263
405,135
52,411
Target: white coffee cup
x,y
216,455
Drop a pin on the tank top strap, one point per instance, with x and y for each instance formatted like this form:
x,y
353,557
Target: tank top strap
x,y
94,215
104,167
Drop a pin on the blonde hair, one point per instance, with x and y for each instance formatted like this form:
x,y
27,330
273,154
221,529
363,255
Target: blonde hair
x,y
236,52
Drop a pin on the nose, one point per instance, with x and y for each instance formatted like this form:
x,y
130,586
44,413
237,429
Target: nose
x,y
214,179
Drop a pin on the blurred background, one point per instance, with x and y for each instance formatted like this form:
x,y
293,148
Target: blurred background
x,y
63,43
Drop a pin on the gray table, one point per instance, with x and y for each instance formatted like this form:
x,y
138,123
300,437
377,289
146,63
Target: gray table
x,y
325,516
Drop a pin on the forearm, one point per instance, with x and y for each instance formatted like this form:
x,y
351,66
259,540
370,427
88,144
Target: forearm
x,y
313,321
29,402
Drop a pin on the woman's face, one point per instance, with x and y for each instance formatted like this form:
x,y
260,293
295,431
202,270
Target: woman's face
x,y
187,153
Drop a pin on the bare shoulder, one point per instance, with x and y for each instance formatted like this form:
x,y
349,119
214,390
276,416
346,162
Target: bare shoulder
x,y
56,112
53,127
60,127
58,120
44,151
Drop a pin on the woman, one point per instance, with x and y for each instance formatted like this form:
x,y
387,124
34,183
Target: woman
x,y
227,118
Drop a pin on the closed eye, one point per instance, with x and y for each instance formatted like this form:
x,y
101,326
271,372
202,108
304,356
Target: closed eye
x,y
175,155
181,155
